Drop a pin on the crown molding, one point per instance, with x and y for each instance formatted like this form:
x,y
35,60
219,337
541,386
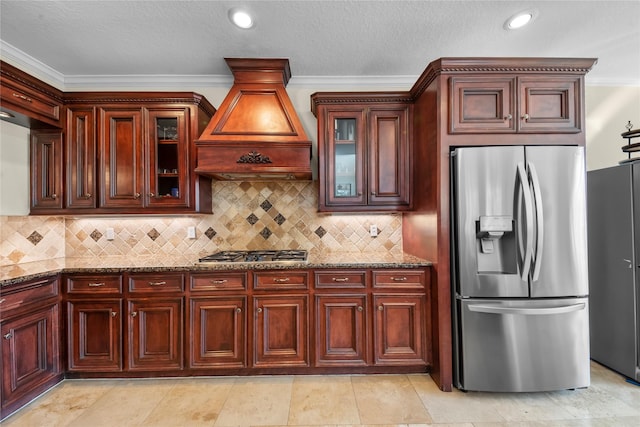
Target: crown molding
x,y
30,65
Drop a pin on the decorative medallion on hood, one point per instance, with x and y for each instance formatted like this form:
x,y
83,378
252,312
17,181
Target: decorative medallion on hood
x,y
256,133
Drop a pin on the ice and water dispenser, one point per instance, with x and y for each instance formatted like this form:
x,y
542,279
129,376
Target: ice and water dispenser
x,y
496,245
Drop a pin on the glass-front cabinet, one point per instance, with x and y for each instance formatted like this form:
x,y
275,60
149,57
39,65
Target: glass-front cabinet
x,y
168,162
345,166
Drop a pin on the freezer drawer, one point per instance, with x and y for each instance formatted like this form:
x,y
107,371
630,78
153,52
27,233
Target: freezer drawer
x,y
524,345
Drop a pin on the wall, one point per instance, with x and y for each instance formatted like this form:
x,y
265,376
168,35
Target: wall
x,y
14,169
608,109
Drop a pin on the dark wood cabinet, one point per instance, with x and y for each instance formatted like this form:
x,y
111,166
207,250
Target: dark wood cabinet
x,y
81,191
364,151
341,330
512,103
46,170
281,331
399,329
30,352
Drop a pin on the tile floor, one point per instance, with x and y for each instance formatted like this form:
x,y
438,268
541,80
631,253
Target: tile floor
x,y
405,400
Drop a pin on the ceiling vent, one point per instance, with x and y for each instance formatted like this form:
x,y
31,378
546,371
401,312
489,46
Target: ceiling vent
x,y
256,133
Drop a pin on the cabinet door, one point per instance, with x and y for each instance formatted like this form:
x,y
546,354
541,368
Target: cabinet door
x,y
550,104
482,104
46,170
344,158
81,159
218,331
122,166
94,335
341,330
388,152
30,352
398,329
155,334
168,158
281,331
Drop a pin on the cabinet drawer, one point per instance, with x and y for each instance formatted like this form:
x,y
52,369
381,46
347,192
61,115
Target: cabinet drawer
x,y
219,281
156,283
281,280
406,279
27,293
340,279
30,100
109,284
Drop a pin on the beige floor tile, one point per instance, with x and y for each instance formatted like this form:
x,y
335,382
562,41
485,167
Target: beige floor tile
x,y
62,404
257,401
318,400
192,402
388,399
127,404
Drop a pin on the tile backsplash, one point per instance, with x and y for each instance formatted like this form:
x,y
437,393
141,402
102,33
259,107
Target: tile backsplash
x,y
247,215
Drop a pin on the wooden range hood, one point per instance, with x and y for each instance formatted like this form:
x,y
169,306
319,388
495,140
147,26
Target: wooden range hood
x,y
256,133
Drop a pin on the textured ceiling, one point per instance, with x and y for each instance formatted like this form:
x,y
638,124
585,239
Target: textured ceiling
x,y
88,39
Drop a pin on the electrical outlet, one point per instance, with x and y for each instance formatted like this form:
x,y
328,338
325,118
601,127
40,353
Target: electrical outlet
x,y
110,234
373,230
191,232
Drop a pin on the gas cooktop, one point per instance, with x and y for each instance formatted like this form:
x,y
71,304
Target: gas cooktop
x,y
257,256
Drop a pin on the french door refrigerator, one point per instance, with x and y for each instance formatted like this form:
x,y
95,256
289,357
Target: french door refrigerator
x,y
519,268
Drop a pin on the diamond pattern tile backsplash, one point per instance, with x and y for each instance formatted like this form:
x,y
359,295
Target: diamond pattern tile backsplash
x,y
247,215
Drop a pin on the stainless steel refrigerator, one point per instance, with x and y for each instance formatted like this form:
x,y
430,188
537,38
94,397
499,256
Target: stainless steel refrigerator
x,y
613,210
519,268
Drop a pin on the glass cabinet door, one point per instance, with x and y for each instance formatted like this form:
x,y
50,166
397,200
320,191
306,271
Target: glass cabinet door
x,y
168,168
345,166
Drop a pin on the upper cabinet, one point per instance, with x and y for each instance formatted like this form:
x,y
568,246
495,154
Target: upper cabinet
x,y
363,151
512,103
130,153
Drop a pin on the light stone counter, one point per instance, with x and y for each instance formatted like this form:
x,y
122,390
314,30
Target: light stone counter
x,y
336,260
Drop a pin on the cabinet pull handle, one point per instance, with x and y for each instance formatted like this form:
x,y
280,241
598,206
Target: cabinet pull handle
x,y
399,279
157,283
380,308
114,313
281,280
525,116
23,97
238,310
259,310
2,300
508,117
360,308
95,285
218,281
136,196
8,336
340,279
134,314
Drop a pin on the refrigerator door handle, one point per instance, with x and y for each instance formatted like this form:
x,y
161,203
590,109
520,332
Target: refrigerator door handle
x,y
537,196
494,309
528,208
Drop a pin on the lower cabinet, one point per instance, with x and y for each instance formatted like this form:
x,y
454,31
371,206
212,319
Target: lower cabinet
x,y
399,332
29,323
281,331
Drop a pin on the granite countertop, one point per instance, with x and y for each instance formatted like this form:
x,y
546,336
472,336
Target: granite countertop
x,y
22,272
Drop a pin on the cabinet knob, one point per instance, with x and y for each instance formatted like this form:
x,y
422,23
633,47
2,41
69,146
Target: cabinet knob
x,y
508,117
157,283
259,310
134,314
95,285
360,308
152,195
373,193
87,196
136,196
54,196
238,310
380,308
114,313
2,300
8,336
525,116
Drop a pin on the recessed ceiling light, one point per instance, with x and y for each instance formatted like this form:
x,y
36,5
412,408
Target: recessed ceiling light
x,y
240,18
519,20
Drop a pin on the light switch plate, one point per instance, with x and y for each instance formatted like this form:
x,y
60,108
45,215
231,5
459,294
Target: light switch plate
x,y
191,232
110,234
